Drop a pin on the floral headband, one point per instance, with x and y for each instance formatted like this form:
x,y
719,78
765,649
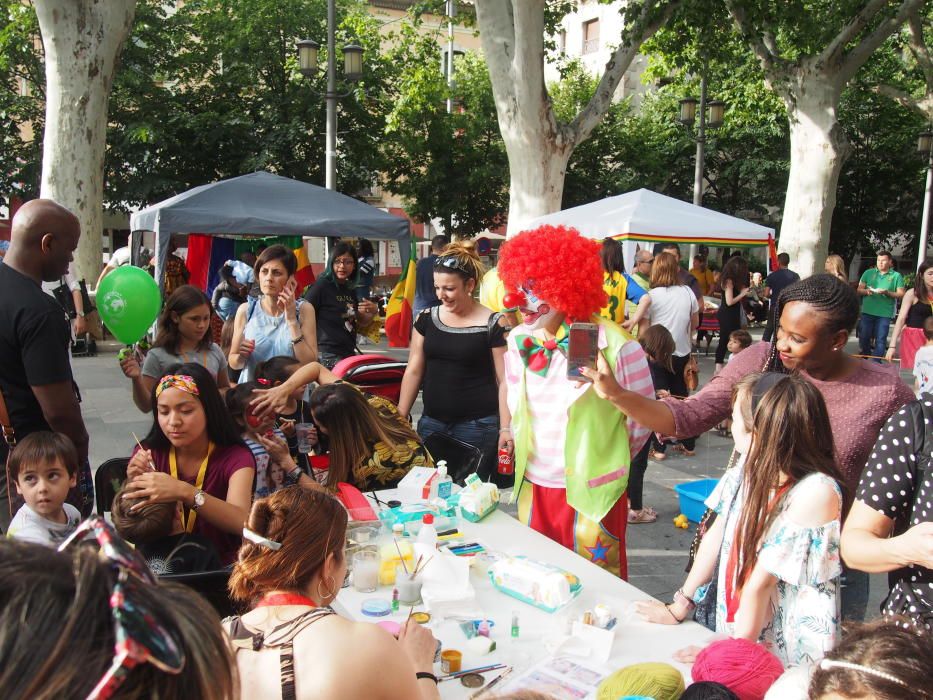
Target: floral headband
x,y
183,382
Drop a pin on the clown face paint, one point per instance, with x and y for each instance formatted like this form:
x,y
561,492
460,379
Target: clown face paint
x,y
536,313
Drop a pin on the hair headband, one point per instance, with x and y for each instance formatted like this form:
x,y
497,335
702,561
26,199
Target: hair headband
x,y
256,538
183,382
827,664
765,382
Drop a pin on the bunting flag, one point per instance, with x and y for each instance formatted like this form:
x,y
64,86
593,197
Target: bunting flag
x,y
399,309
772,254
207,254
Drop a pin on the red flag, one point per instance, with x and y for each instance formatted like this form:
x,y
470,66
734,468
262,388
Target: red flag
x,y
772,254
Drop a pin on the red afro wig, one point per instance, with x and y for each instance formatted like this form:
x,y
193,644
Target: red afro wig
x,y
563,267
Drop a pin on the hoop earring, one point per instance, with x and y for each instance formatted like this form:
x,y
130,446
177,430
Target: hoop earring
x,y
330,595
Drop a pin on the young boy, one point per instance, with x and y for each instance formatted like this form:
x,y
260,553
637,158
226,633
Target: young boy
x,y
738,341
156,530
923,361
44,465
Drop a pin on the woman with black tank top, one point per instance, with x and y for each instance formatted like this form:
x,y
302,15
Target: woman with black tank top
x,y
457,352
916,307
735,287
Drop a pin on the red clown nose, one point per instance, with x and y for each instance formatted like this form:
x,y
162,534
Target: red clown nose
x,y
513,301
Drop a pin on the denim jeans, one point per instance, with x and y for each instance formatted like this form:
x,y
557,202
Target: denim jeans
x,y
873,327
854,593
481,433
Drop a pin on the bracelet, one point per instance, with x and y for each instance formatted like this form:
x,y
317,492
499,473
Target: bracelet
x,y
678,619
681,597
505,430
297,340
421,675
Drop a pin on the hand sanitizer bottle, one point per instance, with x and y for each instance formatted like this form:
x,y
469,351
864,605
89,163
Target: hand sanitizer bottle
x,y
444,482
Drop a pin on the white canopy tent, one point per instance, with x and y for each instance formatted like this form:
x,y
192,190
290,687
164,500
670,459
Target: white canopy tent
x,y
645,217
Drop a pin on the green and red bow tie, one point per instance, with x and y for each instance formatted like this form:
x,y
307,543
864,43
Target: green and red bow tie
x,y
536,354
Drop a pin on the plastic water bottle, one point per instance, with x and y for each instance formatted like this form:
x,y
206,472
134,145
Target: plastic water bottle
x,y
427,535
444,482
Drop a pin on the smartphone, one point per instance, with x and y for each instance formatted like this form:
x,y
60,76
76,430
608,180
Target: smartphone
x,y
584,339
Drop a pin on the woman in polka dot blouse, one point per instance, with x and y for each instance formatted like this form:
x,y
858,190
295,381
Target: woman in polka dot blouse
x,y
894,497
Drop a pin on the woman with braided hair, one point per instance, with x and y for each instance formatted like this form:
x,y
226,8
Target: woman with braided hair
x,y
815,318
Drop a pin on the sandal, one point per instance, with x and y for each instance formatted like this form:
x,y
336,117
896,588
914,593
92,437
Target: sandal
x,y
684,451
636,517
657,456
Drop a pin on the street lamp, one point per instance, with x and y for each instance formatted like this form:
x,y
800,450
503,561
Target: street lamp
x,y
925,148
690,108
308,54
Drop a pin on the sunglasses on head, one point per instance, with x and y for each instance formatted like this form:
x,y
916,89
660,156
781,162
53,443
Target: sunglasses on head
x,y
140,637
452,263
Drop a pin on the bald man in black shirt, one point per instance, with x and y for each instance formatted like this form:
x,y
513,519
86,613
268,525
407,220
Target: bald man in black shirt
x,y
35,370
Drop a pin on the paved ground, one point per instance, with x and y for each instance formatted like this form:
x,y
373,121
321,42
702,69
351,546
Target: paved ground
x,y
657,551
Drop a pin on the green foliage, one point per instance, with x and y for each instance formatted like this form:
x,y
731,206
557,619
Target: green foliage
x,y
212,90
880,196
447,166
22,86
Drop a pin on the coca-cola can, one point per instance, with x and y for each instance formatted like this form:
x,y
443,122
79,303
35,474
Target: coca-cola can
x,y
505,462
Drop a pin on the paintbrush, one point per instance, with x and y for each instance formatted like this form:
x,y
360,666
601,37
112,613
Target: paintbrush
x,y
410,613
415,571
400,557
478,669
485,689
421,570
151,465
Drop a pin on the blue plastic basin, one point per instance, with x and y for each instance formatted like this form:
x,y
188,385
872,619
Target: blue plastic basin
x,y
692,496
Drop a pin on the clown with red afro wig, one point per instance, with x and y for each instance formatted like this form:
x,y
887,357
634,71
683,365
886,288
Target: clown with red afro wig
x,y
562,268
571,448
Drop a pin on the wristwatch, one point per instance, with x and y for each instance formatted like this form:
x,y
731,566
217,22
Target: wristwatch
x,y
296,473
198,500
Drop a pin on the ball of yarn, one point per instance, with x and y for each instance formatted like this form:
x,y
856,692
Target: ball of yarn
x,y
707,690
745,668
655,680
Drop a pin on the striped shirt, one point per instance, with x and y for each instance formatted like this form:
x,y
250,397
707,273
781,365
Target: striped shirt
x,y
550,398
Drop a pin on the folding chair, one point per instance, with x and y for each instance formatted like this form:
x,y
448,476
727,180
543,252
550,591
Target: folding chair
x,y
108,480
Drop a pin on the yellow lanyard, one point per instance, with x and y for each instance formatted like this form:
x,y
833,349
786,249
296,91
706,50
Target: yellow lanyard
x,y
198,483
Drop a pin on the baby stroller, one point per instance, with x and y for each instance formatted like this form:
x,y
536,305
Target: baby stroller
x,y
374,374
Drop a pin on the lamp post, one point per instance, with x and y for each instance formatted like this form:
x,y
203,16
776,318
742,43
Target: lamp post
x,y
688,115
308,51
925,147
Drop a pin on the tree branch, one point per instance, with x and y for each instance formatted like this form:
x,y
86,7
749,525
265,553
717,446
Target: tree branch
x,y
835,49
643,28
864,49
922,105
761,45
919,48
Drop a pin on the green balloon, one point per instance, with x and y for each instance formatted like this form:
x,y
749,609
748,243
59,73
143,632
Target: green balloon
x,y
128,301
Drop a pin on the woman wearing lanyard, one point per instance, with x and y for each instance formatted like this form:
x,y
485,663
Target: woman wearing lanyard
x,y
916,307
291,643
184,336
194,455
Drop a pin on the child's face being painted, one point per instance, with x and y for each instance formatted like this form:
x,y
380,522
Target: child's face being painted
x,y
258,424
44,487
741,435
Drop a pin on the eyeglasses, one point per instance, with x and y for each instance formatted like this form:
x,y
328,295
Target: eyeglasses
x,y
452,263
649,261
140,638
344,262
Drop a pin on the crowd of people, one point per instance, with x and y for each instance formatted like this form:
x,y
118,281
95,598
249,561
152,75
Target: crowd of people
x,y
829,479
